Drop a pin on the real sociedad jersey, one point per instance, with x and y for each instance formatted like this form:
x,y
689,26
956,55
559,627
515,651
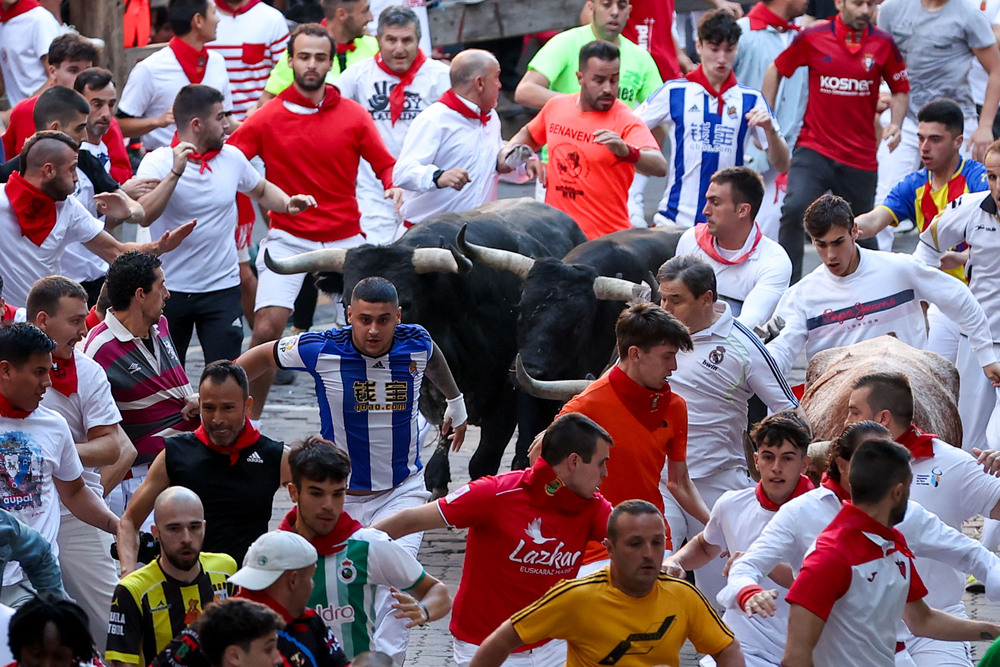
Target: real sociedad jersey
x,y
367,405
706,133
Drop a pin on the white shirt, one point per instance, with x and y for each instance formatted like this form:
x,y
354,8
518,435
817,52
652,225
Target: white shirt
x,y
737,520
793,530
953,486
701,140
24,41
882,296
441,138
207,260
34,450
369,85
977,75
753,287
79,263
970,219
154,83
6,657
251,44
727,366
92,405
22,262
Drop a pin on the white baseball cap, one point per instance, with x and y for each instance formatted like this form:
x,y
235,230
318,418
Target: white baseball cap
x,y
270,556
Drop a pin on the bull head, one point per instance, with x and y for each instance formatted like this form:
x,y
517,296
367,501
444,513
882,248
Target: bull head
x,y
607,289
425,260
554,390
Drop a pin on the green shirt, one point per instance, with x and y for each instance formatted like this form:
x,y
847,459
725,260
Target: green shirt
x,y
345,582
559,60
281,77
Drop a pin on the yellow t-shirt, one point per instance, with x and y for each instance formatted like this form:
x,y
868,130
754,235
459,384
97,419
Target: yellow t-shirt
x,y
604,626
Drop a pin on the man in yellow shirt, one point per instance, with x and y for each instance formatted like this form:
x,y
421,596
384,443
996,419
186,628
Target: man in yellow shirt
x,y
627,614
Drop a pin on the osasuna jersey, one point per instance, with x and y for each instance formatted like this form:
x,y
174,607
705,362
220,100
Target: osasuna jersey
x,y
703,139
858,579
345,582
727,366
367,405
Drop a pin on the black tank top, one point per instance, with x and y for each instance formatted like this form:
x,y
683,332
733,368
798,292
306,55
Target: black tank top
x,y
237,498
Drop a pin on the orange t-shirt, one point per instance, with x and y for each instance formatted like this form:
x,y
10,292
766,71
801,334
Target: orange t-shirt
x,y
586,180
638,454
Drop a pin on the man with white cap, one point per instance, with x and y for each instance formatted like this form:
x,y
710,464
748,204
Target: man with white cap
x,y
277,572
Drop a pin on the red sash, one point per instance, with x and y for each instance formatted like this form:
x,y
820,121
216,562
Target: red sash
x,y
8,410
920,444
707,243
802,486
697,75
247,438
828,482
63,375
18,9
193,62
325,544
398,95
201,158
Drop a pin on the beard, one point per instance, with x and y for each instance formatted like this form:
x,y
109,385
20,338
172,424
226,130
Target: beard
x,y
897,514
181,563
309,86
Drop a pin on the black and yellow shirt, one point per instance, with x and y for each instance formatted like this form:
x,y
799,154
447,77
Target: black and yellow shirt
x,y
150,608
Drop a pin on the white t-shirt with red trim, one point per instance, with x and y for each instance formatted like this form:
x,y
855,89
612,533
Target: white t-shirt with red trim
x,y
520,544
22,262
33,451
858,579
251,43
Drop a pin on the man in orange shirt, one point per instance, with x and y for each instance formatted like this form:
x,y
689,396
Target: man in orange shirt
x,y
596,145
646,421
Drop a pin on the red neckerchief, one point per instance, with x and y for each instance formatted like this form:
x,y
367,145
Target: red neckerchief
x,y
63,375
398,95
761,17
8,410
920,444
35,210
247,438
452,101
92,319
956,188
221,4
264,598
804,484
325,544
646,405
830,483
8,313
345,48
546,489
18,9
697,75
852,38
192,62
707,243
330,98
203,158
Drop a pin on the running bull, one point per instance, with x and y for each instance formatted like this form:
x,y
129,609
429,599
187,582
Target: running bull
x,y
470,313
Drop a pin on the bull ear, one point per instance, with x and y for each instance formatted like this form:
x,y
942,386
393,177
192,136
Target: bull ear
x,y
616,289
431,260
329,259
555,390
494,258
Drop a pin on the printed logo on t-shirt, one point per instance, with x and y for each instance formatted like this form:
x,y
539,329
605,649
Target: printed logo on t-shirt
x,y
715,357
861,311
332,614
844,86
932,479
538,556
21,476
378,104
456,494
254,458
347,573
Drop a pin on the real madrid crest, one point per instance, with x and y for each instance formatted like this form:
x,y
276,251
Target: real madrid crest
x,y
717,355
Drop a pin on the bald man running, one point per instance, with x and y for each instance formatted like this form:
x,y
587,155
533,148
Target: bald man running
x,y
154,603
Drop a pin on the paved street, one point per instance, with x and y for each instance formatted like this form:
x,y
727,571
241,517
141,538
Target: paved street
x,y
291,414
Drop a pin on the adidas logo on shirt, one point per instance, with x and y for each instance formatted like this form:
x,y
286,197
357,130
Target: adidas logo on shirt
x,y
254,458
378,364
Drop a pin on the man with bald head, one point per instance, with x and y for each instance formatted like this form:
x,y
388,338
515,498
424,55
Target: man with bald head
x,y
450,157
154,603
39,216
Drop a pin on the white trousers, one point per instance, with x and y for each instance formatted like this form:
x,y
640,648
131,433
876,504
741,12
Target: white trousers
x,y
89,573
550,654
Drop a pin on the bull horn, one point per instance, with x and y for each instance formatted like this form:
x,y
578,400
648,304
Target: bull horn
x,y
504,260
616,289
554,390
430,260
330,259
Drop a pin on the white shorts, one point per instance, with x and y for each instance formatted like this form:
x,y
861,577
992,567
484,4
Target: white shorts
x,y
550,654
275,289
